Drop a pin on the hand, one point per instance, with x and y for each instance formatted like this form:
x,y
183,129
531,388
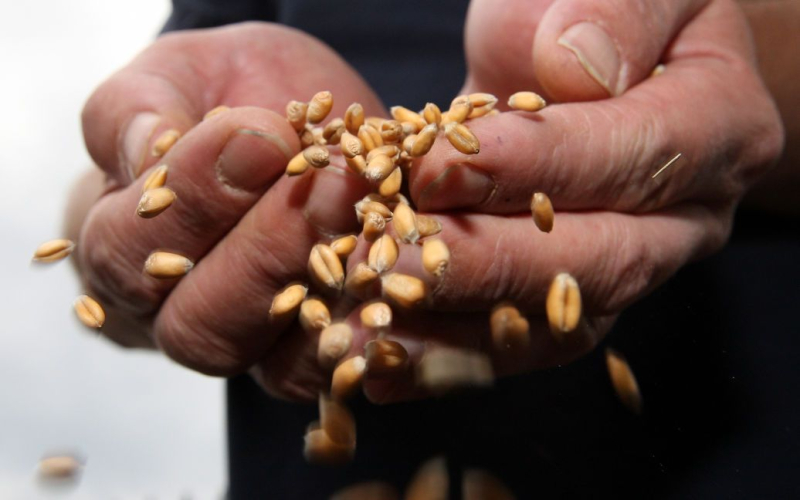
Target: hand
x,y
247,227
618,231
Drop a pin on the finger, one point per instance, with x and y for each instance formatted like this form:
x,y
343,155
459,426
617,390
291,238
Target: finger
x,y
217,171
427,334
183,75
291,371
585,50
217,319
498,36
604,154
614,257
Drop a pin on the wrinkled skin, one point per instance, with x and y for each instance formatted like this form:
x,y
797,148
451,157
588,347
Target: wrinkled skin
x,y
617,230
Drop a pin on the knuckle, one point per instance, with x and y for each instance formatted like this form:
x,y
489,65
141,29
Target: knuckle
x,y
626,272
189,342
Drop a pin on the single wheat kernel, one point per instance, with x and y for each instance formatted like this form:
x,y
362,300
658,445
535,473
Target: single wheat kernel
x,y
407,291
354,118
563,305
318,448
306,137
435,257
351,145
526,101
404,221
360,280
166,265
402,114
165,141
444,369
337,421
216,111
154,201
365,206
383,254
385,358
345,245
333,128
296,115
298,164
510,330
319,107
377,316
428,226
389,150
542,210
624,381
287,302
432,114
478,112
482,99
392,184
379,168
462,138
317,156
391,131
459,110
334,342
325,268
314,315
374,226
408,143
431,481
347,378
156,179
658,70
424,141
59,467
479,485
370,137
356,164
89,311
54,250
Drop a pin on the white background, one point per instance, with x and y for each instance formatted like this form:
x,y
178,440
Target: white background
x,y
146,427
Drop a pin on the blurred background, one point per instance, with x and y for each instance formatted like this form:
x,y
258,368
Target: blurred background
x,y
145,427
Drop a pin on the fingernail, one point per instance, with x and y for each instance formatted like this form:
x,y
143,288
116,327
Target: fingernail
x,y
460,186
250,159
597,53
135,141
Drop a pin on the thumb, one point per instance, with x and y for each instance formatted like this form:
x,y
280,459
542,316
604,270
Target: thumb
x,y
588,50
182,76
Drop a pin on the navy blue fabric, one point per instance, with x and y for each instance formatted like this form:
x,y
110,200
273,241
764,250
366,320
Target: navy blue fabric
x,y
715,349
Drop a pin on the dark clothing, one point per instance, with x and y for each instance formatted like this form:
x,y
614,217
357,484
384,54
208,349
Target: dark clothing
x,y
714,350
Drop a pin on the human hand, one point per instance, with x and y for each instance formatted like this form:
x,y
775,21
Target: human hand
x,y
619,231
247,228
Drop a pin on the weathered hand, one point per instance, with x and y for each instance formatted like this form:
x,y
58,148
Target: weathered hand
x,y
247,227
618,230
